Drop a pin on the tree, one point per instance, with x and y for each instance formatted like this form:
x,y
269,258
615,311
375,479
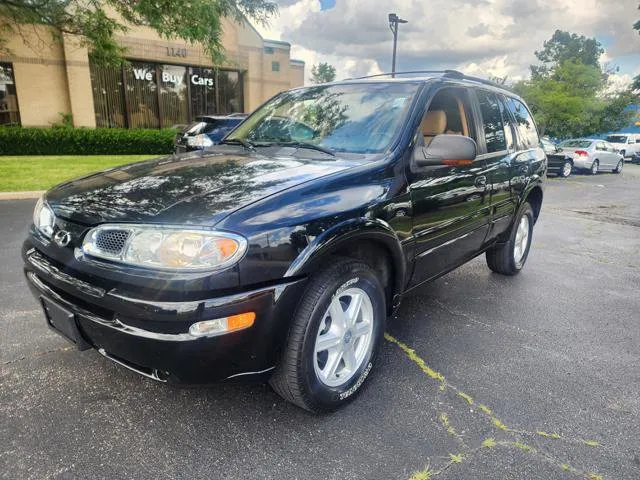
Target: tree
x,y
322,73
568,92
97,22
565,46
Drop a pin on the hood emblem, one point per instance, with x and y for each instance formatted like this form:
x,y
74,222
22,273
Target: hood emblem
x,y
62,238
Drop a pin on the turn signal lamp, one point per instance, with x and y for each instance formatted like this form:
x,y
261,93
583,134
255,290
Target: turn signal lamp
x,y
220,326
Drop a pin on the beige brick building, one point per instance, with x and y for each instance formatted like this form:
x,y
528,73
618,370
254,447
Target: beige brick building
x,y
167,82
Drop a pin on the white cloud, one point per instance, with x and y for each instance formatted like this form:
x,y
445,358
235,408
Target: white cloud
x,y
482,37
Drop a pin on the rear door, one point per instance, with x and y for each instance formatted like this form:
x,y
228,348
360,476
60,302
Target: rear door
x,y
614,157
603,155
497,147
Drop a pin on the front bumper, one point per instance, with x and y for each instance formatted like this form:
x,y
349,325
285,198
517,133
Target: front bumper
x,y
152,337
555,163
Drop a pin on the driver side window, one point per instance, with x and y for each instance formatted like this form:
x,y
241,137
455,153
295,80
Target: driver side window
x,y
449,114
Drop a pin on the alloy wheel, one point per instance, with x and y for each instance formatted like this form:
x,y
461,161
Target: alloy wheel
x,y
566,169
522,239
344,338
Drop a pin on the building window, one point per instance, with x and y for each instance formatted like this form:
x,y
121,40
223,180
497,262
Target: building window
x,y
269,50
275,66
108,97
174,100
9,111
141,95
229,92
202,82
149,95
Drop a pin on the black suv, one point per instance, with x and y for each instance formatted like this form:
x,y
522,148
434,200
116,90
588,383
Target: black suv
x,y
282,251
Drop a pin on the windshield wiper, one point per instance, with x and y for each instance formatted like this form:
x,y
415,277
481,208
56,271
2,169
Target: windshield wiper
x,y
308,145
238,141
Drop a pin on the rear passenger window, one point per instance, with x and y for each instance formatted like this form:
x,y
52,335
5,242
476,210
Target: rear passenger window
x,y
526,127
492,122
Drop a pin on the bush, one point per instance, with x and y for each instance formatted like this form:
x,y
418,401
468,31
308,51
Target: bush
x,y
85,141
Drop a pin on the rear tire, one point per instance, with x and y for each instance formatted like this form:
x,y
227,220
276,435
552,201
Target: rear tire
x,y
324,363
594,167
619,167
509,258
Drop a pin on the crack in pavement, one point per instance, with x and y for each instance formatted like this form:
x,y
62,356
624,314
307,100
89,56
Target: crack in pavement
x,y
514,436
37,355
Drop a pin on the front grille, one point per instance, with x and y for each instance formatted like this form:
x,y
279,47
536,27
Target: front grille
x,y
112,241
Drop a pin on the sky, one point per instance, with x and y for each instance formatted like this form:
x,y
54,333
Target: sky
x,y
478,37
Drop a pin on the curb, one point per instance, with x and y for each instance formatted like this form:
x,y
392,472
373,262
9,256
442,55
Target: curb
x,y
34,194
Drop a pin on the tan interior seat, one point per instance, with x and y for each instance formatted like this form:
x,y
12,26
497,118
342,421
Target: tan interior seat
x,y
434,123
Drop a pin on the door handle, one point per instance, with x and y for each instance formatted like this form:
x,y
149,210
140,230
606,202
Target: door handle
x,y
481,181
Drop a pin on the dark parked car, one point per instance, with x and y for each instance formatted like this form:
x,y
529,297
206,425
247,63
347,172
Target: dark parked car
x,y
283,251
206,131
559,163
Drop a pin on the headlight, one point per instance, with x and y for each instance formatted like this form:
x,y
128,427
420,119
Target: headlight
x,y
43,218
199,141
164,248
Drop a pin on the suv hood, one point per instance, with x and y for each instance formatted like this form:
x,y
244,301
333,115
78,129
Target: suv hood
x,y
194,189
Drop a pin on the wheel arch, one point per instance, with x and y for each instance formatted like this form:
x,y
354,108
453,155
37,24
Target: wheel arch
x,y
372,241
534,198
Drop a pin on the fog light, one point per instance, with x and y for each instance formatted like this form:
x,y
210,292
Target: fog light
x,y
219,326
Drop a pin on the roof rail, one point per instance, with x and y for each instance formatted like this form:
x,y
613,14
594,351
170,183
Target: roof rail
x,y
445,73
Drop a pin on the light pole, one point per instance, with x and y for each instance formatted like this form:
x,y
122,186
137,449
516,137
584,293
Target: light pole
x,y
394,20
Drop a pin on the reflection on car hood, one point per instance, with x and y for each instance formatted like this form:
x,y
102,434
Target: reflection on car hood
x,y
197,189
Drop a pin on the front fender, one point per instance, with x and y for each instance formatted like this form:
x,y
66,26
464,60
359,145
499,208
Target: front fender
x,y
313,257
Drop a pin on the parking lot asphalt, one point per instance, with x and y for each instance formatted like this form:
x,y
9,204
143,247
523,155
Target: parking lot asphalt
x,y
481,377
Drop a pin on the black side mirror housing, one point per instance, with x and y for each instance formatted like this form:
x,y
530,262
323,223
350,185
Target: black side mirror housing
x,y
453,150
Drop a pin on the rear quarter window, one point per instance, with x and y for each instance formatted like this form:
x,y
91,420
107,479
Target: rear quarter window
x,y
527,132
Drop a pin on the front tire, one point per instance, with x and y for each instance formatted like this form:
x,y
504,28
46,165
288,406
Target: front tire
x,y
566,169
509,258
334,337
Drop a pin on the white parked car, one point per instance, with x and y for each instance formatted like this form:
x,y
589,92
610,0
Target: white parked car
x,y
627,143
592,155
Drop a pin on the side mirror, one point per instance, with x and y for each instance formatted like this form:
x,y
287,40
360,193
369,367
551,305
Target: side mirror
x,y
453,150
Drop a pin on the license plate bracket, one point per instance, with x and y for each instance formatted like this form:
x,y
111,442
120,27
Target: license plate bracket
x,y
63,322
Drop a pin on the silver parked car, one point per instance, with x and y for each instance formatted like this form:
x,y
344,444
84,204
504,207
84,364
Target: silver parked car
x,y
592,155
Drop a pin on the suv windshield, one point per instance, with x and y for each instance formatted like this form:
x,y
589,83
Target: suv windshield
x,y
355,118
617,139
576,143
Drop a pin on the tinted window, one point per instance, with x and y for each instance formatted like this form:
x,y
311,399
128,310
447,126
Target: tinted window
x,y
508,130
9,113
492,122
526,127
617,138
220,128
